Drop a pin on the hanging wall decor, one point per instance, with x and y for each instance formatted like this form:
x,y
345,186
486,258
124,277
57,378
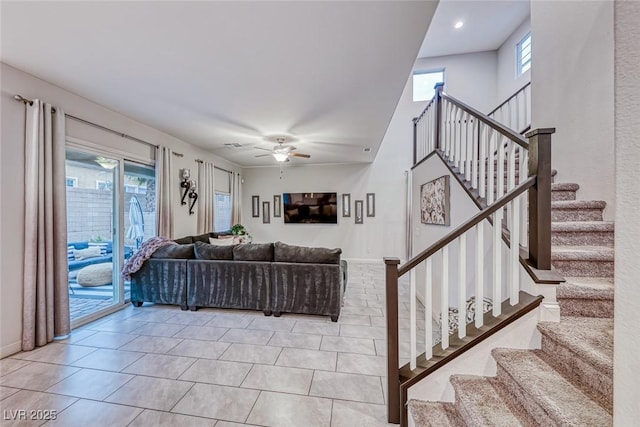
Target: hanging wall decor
x,y
255,206
265,213
346,205
359,211
371,204
434,202
277,206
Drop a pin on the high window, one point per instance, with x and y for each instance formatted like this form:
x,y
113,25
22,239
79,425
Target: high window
x,y
524,54
424,82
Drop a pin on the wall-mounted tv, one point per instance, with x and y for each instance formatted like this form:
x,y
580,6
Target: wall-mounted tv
x,y
310,208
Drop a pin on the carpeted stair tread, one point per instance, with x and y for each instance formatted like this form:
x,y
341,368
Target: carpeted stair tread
x,y
578,204
574,226
565,186
600,288
547,395
582,253
591,339
434,414
479,403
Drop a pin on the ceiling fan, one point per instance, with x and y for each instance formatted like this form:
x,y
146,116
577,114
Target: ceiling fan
x,y
282,152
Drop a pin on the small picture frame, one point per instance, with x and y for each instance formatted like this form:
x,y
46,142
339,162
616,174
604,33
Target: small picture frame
x,y
359,211
371,204
265,213
255,206
277,206
346,205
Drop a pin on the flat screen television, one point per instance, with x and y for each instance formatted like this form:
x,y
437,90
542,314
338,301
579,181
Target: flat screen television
x,y
310,208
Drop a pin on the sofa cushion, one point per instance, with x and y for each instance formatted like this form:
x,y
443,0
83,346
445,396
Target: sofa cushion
x,y
175,251
301,254
253,252
184,240
212,252
204,238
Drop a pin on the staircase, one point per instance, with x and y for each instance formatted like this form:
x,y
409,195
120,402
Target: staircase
x,y
569,381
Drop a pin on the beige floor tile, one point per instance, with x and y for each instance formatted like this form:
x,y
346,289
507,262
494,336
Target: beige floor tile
x,y
107,340
219,402
108,360
159,329
58,353
7,391
190,318
217,372
160,365
122,326
356,414
279,378
151,393
286,339
9,365
307,359
230,321
45,404
76,335
348,345
380,322
37,376
337,385
230,424
90,384
362,364
287,410
249,353
363,332
354,319
381,347
317,328
362,311
201,333
150,418
156,315
200,349
246,336
85,413
272,324
149,344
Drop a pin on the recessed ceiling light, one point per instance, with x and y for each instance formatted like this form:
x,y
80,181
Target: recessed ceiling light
x,y
458,25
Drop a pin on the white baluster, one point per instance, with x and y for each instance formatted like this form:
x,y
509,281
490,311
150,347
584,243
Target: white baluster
x,y
515,252
428,310
479,273
490,160
469,147
497,262
462,286
482,159
412,319
524,220
444,299
474,154
500,178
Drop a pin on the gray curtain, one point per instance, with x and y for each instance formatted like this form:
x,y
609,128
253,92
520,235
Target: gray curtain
x,y
206,197
236,198
45,311
164,175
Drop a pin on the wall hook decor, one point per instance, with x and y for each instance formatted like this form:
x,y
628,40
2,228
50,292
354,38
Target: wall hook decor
x,y
185,174
192,195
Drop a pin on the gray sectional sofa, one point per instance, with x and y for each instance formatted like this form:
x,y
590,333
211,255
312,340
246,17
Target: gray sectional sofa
x,y
274,278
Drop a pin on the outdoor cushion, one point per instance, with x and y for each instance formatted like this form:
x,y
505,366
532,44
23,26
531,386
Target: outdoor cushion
x,y
213,252
174,251
253,252
80,254
290,253
96,275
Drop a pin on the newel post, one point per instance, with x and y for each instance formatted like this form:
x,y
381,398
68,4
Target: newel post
x,y
540,198
393,358
438,119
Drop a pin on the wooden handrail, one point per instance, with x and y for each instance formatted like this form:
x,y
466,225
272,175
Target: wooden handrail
x,y
516,93
477,218
518,139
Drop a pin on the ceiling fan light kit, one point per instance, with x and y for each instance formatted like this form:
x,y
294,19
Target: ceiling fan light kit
x,y
282,152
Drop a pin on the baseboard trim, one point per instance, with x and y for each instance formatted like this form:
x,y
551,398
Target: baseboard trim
x,y
10,349
365,260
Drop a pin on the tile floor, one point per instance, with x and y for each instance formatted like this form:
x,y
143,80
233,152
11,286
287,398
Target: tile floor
x,y
157,365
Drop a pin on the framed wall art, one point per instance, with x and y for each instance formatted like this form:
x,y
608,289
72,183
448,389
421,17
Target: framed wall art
x,y
371,204
277,206
435,201
359,211
346,205
265,213
255,206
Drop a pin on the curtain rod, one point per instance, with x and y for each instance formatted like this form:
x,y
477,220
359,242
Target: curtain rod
x,y
78,119
215,167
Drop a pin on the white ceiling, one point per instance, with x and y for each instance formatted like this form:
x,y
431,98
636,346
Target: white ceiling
x,y
327,74
487,24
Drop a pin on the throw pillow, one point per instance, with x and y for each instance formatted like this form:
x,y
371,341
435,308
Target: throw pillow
x,y
213,252
253,252
70,256
80,254
175,251
204,238
221,242
184,240
301,254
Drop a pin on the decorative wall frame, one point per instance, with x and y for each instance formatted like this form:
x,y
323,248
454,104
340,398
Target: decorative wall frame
x,y
346,205
277,206
265,213
435,202
255,206
371,204
359,214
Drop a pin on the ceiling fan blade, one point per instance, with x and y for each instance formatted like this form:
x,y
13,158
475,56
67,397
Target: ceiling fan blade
x,y
264,149
294,154
262,155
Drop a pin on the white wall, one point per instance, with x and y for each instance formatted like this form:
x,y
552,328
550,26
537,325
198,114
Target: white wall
x,y
470,77
626,364
12,148
508,79
572,90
